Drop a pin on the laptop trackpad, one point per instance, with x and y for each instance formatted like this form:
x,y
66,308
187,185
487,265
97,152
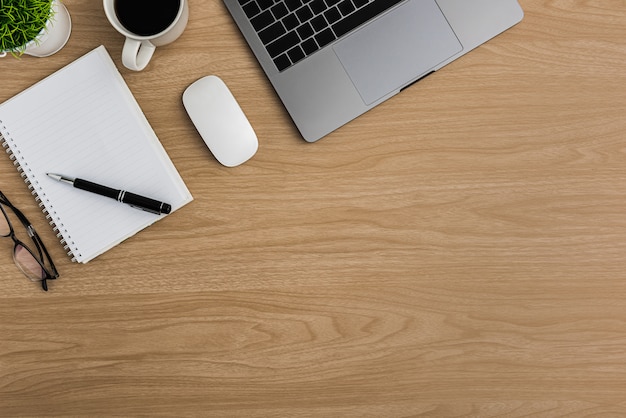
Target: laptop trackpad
x,y
397,48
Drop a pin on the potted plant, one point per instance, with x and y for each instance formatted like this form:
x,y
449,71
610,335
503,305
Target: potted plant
x,y
34,27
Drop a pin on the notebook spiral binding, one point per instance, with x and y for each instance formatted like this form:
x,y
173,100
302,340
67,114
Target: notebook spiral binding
x,y
4,142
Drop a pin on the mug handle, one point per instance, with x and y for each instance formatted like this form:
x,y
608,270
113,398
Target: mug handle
x,y
137,54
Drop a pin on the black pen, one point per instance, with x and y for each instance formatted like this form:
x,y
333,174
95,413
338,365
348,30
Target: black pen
x,y
132,199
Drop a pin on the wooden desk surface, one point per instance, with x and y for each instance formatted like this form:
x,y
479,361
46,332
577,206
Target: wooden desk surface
x,y
458,251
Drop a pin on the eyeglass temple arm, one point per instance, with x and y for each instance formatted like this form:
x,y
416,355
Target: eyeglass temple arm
x,y
31,232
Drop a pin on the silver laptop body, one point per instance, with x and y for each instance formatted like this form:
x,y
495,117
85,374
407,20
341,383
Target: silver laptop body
x,y
343,78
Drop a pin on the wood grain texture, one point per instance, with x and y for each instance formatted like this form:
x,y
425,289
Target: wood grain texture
x,y
458,251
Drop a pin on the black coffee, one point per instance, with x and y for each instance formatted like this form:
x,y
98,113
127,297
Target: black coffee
x,y
146,17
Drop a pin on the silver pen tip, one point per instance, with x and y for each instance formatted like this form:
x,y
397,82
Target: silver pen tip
x,y
59,177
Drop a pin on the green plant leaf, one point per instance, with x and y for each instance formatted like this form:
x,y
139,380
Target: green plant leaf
x,y
21,21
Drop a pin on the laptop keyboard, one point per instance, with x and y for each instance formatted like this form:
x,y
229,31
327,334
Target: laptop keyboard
x,y
294,29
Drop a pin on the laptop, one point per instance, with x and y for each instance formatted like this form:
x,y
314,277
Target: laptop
x,y
332,60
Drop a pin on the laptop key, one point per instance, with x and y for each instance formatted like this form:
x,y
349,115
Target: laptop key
x,y
251,9
346,7
332,15
279,10
262,20
283,43
282,62
265,4
295,54
317,6
319,23
272,32
305,31
309,46
291,22
325,37
293,5
304,13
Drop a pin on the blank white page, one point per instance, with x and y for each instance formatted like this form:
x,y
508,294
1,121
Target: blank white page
x,y
83,121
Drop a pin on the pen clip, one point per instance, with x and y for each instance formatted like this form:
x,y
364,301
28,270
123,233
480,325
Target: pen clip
x,y
145,209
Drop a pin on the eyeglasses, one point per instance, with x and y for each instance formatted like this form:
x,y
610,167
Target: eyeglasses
x,y
35,264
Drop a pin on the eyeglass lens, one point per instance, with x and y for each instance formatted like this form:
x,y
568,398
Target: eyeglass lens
x,y
23,258
28,264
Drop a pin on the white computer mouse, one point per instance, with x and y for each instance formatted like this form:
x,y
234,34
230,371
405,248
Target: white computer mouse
x,y
220,121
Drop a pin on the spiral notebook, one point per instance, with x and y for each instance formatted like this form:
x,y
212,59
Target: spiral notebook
x,y
83,121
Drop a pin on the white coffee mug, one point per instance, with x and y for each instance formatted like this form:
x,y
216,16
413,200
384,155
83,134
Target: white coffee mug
x,y
138,49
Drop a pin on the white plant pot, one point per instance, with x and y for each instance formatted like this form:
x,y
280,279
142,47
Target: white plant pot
x,y
53,36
